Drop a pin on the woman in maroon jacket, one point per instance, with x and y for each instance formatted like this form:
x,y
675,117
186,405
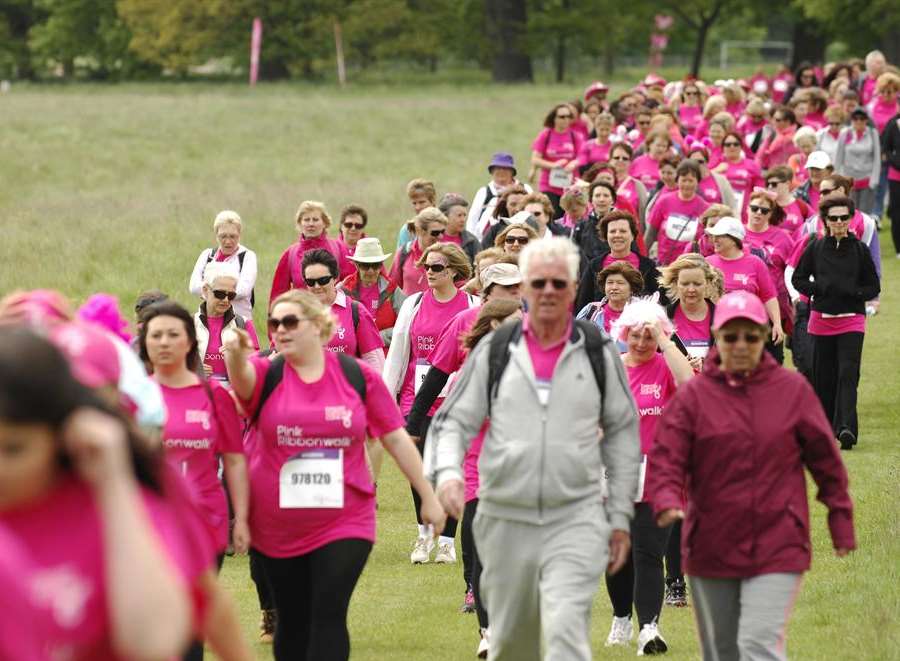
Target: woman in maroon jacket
x,y
733,442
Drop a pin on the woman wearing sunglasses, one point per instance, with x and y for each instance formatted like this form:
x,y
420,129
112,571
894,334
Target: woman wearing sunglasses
x,y
713,187
741,172
352,228
554,153
355,331
628,189
514,238
216,314
838,274
422,319
371,288
796,211
428,228
728,459
313,514
778,145
689,106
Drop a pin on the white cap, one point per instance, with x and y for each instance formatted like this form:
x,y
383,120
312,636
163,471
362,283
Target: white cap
x,y
519,218
501,274
818,159
728,226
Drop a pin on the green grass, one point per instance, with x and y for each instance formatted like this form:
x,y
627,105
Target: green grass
x,y
115,188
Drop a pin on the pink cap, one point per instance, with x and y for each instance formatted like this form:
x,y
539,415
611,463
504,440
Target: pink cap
x,y
595,88
653,79
91,353
739,305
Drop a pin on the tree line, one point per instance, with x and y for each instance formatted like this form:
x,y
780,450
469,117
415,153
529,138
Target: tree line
x,y
134,39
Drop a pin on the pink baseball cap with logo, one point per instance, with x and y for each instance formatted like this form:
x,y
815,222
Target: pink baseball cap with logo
x,y
91,353
739,305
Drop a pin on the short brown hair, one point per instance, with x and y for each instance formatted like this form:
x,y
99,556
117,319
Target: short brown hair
x,y
632,276
422,187
777,214
782,173
827,205
613,216
842,182
354,210
543,200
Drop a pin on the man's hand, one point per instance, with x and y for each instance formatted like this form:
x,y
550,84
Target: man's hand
x,y
669,516
452,496
619,548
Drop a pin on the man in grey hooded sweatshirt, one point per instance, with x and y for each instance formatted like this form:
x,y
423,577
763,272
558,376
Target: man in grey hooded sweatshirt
x,y
543,531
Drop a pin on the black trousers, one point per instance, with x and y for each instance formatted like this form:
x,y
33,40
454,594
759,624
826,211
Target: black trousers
x,y
640,582
471,561
673,553
258,575
450,527
801,342
836,361
312,593
894,212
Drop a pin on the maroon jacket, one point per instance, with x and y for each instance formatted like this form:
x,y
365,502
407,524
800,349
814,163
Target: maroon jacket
x,y
737,449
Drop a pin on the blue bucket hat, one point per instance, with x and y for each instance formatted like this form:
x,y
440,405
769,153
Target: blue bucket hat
x,y
502,160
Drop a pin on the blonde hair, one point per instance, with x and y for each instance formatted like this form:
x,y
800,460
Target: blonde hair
x,y
456,259
756,107
715,211
422,187
424,218
227,217
668,279
733,93
474,285
835,114
312,309
714,104
311,205
605,118
725,119
804,134
887,80
500,239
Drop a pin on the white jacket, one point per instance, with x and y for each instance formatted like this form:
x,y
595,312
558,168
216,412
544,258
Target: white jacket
x,y
245,284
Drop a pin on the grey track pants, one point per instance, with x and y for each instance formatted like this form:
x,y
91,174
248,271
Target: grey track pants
x,y
744,619
541,580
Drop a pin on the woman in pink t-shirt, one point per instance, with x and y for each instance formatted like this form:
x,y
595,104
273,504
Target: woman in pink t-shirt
x,y
713,188
421,320
646,168
352,228
312,513
628,188
689,106
597,150
675,219
428,227
741,172
554,153
778,180
655,368
81,494
744,270
356,333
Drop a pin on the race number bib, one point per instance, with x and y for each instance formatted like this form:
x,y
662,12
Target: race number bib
x,y
312,479
422,367
681,228
560,178
642,476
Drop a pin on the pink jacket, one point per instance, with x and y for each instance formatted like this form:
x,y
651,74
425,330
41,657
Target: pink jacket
x,y
737,448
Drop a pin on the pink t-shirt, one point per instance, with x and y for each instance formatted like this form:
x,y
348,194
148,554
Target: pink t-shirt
x,y
893,173
412,278
449,354
776,243
748,273
743,175
793,217
62,535
631,258
709,190
695,335
470,463
194,436
651,385
346,339
690,117
819,325
214,357
429,322
591,152
646,170
678,225
456,240
627,191
23,627
321,429
815,120
868,90
368,297
882,112
554,146
544,359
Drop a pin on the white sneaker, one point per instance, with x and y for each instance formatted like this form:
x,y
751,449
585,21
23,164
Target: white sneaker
x,y
446,554
484,645
421,552
621,632
650,640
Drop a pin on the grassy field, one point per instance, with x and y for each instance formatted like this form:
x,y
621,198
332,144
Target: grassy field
x,y
115,188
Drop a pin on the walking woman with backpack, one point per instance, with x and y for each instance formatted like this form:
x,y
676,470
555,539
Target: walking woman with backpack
x,y
427,228
554,153
313,513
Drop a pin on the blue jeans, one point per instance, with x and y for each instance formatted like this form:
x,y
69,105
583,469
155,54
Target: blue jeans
x,y
880,192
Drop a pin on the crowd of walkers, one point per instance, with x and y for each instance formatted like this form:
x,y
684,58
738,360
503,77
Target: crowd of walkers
x,y
582,369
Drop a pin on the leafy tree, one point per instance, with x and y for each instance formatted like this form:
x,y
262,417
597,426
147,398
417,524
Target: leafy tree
x,y
16,19
506,23
700,16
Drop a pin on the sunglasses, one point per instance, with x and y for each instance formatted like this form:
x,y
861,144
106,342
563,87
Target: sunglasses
x,y
749,338
541,283
620,158
435,268
222,295
521,240
370,267
289,321
437,233
773,183
354,226
760,210
731,144
840,219
757,118
564,117
320,282
691,93
778,119
645,122
834,123
826,191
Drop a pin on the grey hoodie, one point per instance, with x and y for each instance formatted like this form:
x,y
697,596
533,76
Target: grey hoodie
x,y
542,461
861,158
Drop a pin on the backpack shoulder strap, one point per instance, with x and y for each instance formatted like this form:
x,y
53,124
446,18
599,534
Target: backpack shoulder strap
x,y
211,255
354,374
240,322
354,313
595,343
498,356
241,256
274,375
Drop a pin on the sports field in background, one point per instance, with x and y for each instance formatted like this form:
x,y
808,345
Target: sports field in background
x,y
115,188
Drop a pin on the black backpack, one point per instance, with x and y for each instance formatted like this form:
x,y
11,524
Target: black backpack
x,y
275,373
498,357
241,255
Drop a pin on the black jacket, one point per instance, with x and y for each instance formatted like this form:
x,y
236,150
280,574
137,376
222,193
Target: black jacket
x,y
890,142
843,275
587,288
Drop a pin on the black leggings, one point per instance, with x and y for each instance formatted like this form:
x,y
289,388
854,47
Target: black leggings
x,y
640,582
312,593
471,561
673,553
450,527
894,212
258,575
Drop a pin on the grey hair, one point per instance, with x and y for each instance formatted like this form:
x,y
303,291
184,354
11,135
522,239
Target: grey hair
x,y
227,217
451,200
216,270
548,250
